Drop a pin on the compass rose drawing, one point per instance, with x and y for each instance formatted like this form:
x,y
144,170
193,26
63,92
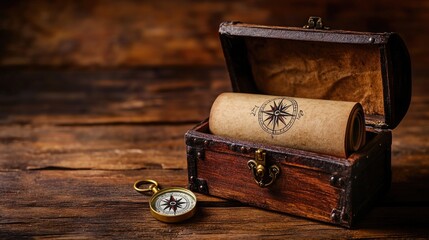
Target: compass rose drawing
x,y
172,203
276,116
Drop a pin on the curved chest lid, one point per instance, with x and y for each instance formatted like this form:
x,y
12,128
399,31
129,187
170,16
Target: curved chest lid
x,y
371,68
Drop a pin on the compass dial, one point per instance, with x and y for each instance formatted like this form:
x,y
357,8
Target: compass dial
x,y
277,115
173,204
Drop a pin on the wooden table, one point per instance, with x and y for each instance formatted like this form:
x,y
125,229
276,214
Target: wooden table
x,y
72,143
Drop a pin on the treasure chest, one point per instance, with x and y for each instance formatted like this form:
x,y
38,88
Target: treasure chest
x,y
310,62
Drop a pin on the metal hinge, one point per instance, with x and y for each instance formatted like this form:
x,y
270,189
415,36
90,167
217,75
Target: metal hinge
x,y
316,23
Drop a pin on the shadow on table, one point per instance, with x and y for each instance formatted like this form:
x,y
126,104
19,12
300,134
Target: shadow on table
x,y
405,209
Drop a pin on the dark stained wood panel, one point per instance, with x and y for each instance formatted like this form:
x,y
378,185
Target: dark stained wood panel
x,y
148,95
179,32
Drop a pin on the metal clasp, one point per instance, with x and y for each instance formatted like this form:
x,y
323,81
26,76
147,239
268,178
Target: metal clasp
x,y
259,169
315,23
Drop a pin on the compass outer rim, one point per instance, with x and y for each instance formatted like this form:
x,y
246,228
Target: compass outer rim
x,y
177,218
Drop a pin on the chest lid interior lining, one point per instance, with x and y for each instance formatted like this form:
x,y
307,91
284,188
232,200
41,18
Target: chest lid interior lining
x,y
370,68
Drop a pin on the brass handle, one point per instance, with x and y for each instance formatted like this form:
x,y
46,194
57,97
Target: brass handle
x,y
258,169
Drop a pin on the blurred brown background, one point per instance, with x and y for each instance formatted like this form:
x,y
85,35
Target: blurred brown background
x,y
97,94
129,33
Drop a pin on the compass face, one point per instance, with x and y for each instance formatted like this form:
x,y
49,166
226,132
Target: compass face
x,y
173,202
277,115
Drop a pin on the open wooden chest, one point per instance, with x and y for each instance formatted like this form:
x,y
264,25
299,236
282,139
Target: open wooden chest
x,y
312,62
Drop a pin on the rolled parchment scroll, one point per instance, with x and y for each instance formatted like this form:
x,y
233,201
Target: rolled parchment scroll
x,y
335,128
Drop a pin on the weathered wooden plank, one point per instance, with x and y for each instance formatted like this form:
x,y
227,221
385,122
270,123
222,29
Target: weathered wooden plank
x,y
85,201
88,204
216,223
111,96
184,32
128,147
150,95
93,147
69,203
63,145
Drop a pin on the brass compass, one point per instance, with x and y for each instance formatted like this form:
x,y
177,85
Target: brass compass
x,y
169,205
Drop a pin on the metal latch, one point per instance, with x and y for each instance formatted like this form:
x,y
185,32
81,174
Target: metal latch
x,y
260,170
315,23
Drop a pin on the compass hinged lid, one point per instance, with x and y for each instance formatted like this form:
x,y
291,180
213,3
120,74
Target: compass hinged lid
x,y
314,62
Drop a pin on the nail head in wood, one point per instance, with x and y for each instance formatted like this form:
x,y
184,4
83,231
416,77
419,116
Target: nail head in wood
x,y
232,147
334,216
243,149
